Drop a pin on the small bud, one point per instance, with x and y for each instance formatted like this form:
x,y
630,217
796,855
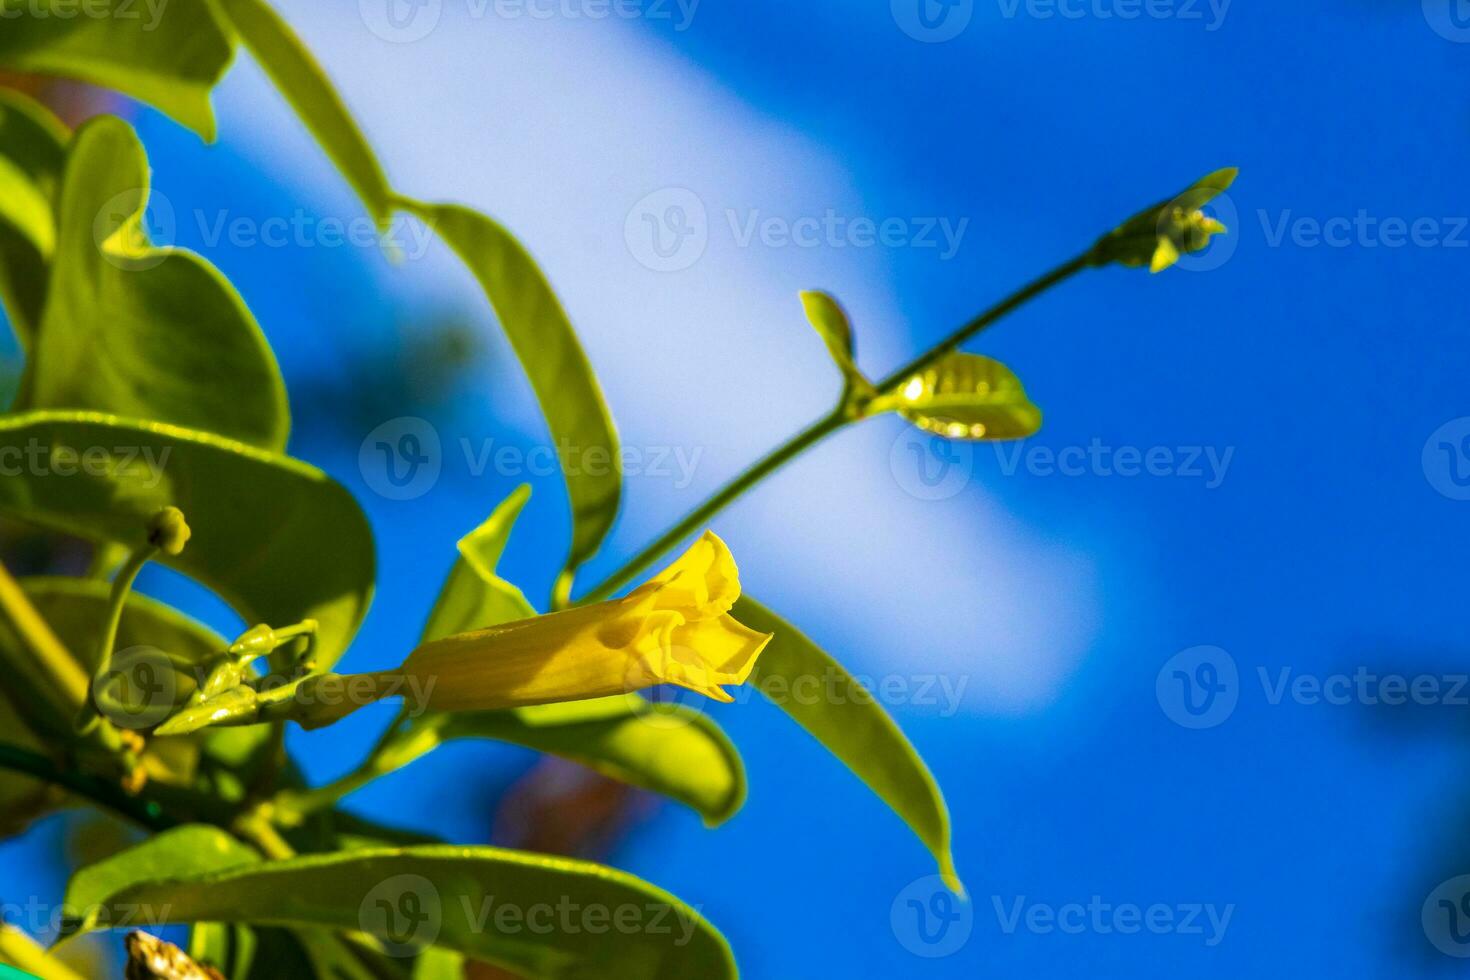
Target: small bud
x,y
1156,237
168,531
254,642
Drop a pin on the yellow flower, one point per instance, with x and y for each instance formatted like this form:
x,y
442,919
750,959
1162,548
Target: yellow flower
x,y
675,629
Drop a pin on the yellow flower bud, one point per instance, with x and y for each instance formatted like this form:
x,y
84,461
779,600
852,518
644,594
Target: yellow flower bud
x,y
1158,236
168,531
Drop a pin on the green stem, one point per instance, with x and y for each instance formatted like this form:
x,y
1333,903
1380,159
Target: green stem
x,y
20,950
105,794
1015,300
819,430
116,602
773,461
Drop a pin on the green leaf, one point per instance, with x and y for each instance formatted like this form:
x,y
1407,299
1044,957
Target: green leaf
x,y
853,727
33,138
548,349
150,333
964,396
832,325
230,949
33,150
181,853
438,964
169,55
485,902
24,208
273,536
301,79
474,596
670,750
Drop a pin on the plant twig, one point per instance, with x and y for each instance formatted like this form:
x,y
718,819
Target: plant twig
x,y
105,794
822,428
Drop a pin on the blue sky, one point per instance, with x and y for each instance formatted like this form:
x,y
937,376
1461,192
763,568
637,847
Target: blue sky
x,y
1302,368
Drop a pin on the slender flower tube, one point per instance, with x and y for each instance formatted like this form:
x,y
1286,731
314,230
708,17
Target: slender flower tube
x,y
674,629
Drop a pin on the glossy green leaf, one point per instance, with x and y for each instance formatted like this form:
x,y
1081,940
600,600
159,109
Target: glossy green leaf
x,y
33,149
273,536
169,55
853,727
181,853
301,79
228,948
438,964
831,323
24,208
548,349
670,750
964,396
474,596
141,331
485,902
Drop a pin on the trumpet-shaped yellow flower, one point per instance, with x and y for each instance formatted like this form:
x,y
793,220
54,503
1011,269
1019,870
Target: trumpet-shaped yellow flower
x,y
675,629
